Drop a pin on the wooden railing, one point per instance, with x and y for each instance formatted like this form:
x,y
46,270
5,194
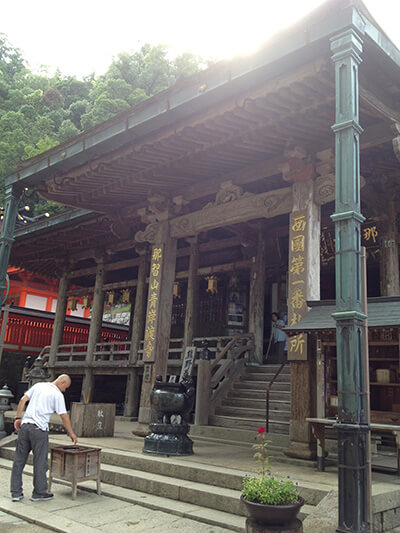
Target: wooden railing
x,y
227,365
28,330
216,377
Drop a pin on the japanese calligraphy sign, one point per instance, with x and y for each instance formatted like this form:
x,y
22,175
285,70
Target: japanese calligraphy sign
x,y
297,291
188,362
297,349
153,303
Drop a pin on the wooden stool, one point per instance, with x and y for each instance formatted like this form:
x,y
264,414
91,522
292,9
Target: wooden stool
x,y
294,527
74,464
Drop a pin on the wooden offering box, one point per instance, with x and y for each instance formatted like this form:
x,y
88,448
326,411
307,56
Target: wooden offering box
x,y
74,464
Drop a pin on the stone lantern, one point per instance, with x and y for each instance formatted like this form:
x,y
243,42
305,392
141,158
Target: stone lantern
x,y
5,397
38,372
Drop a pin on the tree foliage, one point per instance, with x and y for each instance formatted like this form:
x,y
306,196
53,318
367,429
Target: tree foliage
x,y
39,111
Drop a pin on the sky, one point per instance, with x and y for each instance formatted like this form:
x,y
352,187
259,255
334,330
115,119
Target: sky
x,y
82,36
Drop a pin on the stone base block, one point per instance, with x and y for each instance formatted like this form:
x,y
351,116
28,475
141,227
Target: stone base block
x,y
253,527
301,450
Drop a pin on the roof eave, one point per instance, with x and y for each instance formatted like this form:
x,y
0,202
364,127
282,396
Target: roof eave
x,y
219,82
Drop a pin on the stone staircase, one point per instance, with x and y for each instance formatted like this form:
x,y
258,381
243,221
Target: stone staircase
x,y
245,406
206,493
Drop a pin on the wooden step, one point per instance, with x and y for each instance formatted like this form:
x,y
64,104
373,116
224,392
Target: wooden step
x,y
271,369
259,395
265,377
257,414
281,427
261,385
253,403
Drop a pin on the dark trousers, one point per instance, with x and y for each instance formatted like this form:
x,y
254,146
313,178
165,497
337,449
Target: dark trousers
x,y
280,351
30,437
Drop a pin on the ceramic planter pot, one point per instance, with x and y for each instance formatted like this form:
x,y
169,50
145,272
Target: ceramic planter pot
x,y
272,515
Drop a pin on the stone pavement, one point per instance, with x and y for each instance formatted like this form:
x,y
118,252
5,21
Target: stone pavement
x,y
88,513
11,524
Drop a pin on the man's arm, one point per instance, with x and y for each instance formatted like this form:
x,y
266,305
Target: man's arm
x,y
20,410
67,424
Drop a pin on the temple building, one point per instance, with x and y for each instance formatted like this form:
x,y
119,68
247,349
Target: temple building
x,y
208,207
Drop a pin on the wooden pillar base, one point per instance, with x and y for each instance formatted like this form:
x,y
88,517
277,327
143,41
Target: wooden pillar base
x,y
294,527
145,415
301,450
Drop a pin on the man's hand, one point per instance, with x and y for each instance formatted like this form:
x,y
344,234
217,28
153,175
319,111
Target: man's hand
x,y
17,424
67,424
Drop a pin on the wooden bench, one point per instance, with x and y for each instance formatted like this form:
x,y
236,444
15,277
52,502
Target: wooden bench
x,y
318,426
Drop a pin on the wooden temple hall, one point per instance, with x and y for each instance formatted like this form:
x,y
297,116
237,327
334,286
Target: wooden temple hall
x,y
209,206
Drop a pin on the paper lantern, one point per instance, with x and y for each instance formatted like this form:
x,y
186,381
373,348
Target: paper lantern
x,y
72,303
86,302
177,289
212,287
110,298
126,296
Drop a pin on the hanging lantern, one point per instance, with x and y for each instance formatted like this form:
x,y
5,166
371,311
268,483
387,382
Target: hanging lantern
x,y
86,302
212,287
234,281
177,289
126,296
72,303
110,298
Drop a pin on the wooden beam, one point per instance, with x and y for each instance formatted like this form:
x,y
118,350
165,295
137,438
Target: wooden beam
x,y
380,107
182,274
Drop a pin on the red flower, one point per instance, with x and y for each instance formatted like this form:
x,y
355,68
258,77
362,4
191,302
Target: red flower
x,y
261,430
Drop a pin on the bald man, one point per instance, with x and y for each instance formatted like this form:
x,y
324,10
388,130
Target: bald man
x,y
33,434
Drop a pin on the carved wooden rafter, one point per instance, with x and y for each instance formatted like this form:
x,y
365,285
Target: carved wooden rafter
x,y
396,140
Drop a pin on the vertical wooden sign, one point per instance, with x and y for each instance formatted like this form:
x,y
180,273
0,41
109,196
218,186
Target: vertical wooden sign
x,y
297,293
153,303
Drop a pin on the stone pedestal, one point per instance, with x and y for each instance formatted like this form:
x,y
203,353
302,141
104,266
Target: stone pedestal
x,y
294,527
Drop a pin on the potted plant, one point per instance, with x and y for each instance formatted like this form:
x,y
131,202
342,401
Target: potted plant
x,y
269,500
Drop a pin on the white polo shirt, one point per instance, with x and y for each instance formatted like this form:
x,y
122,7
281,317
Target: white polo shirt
x,y
44,400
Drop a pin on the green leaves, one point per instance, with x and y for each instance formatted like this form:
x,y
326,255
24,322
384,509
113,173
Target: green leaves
x,y
39,111
269,490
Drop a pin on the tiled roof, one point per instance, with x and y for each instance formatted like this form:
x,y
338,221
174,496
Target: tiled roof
x,y
383,311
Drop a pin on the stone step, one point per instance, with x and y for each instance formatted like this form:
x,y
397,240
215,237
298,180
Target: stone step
x,y
236,436
259,394
281,427
255,403
275,414
204,495
185,509
261,386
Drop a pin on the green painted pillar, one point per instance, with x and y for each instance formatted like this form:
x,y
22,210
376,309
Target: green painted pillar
x,y
12,199
352,426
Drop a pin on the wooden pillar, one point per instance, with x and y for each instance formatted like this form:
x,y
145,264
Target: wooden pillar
x,y
389,261
132,383
94,331
304,284
59,319
3,330
192,301
203,392
158,317
257,297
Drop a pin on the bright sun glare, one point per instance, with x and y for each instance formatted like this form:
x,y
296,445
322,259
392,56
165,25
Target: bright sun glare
x,y
85,36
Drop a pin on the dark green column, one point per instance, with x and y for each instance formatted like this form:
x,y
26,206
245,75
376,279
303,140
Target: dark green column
x,y
352,426
12,200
